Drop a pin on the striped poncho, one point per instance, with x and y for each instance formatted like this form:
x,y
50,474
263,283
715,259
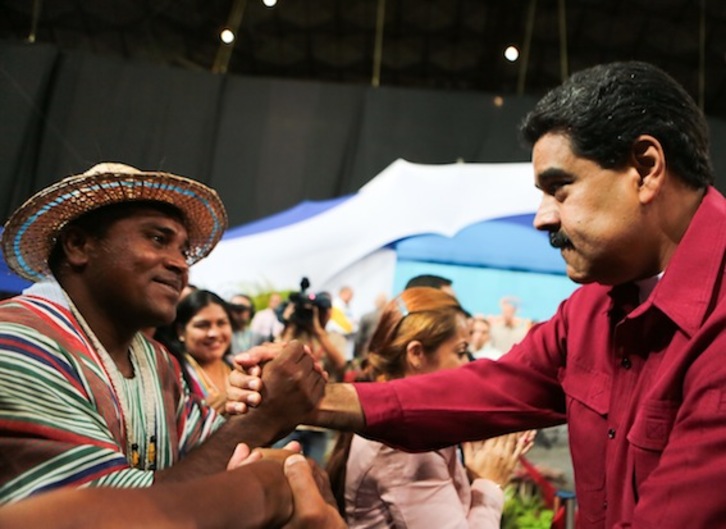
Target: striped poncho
x,y
60,420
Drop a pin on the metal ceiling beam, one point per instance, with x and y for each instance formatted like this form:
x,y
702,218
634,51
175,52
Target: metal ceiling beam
x,y
526,46
224,52
378,46
37,6
564,59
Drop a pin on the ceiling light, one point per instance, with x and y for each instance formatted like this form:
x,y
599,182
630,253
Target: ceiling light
x,y
269,3
511,53
227,36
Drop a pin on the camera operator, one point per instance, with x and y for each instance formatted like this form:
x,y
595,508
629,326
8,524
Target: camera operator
x,y
305,317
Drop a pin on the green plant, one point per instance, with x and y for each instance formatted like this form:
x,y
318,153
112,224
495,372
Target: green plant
x,y
525,509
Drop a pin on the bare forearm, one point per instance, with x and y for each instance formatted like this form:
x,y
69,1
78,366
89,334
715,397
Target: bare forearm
x,y
254,429
339,409
250,497
334,354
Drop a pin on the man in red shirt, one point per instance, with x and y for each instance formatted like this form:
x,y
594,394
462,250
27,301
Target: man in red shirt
x,y
633,361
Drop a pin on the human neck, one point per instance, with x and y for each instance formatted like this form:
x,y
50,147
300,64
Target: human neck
x,y
113,336
679,208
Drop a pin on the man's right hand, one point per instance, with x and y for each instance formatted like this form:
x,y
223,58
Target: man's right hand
x,y
245,382
291,386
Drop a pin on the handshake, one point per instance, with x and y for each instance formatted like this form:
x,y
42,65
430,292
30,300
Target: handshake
x,y
279,377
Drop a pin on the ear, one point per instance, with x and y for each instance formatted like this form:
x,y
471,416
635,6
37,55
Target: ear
x,y
76,245
415,356
648,159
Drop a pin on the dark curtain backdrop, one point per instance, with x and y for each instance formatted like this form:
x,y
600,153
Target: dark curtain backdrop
x,y
264,144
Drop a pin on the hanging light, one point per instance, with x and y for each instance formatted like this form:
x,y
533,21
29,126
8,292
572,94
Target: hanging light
x,y
270,3
511,53
227,36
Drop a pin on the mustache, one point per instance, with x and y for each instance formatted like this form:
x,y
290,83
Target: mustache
x,y
558,239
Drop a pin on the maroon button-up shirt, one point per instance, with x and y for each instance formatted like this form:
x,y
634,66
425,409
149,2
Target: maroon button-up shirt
x,y
643,392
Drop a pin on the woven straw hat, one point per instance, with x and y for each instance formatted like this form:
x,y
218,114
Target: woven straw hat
x,y
32,230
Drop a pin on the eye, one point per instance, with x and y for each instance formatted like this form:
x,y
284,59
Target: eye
x,y
159,238
558,189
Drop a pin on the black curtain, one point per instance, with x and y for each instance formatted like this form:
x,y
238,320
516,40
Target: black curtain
x,y
264,144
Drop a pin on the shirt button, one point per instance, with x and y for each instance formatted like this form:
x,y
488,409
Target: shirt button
x,y
611,433
626,363
605,504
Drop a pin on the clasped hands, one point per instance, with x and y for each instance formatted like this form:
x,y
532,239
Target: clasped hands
x,y
246,386
290,369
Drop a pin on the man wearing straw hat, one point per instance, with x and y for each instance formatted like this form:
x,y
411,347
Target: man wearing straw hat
x,y
85,399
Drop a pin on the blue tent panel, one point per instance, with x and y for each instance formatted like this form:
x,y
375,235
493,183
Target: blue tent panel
x,y
509,243
301,211
9,282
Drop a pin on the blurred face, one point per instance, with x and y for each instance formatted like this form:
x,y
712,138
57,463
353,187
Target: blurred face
x,y
346,294
136,271
479,334
452,352
208,334
241,310
275,300
593,214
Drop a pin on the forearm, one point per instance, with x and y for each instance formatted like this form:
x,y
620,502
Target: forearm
x,y
256,495
250,497
339,409
255,429
332,352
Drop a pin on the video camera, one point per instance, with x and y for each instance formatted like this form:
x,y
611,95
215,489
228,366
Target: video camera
x,y
303,303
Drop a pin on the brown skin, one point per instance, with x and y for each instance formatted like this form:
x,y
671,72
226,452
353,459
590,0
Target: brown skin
x,y
264,494
624,223
130,278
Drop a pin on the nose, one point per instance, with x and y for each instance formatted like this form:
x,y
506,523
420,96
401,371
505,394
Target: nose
x,y
547,217
177,260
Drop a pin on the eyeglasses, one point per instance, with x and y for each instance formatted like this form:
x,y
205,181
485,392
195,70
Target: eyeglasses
x,y
239,308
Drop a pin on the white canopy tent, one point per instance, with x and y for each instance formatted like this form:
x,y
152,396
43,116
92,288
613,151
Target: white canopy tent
x,y
350,242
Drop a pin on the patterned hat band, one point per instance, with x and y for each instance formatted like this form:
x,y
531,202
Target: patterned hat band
x,y
32,230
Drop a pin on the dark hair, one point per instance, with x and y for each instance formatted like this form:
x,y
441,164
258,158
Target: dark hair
x,y
235,307
428,280
168,335
193,303
603,109
97,222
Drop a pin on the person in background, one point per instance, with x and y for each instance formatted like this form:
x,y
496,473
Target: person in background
x,y
506,328
423,330
187,290
342,321
86,399
242,310
305,321
204,330
633,360
433,281
481,344
266,324
368,323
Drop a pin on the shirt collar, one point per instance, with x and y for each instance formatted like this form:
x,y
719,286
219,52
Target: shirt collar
x,y
48,289
688,285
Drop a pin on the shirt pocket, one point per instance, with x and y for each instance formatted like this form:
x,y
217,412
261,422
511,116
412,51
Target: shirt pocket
x,y
587,409
649,435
